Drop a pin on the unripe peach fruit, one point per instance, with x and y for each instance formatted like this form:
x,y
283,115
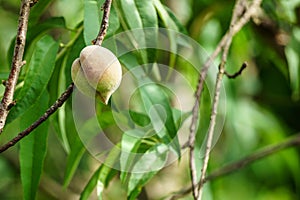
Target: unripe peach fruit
x,y
97,71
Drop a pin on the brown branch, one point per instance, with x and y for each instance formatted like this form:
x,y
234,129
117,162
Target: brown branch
x,y
33,2
239,19
238,73
59,102
269,150
241,15
248,160
65,95
104,24
17,63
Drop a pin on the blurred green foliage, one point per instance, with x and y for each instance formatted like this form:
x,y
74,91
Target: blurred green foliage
x,y
262,105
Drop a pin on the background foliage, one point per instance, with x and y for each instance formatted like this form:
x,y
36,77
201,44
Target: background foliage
x,y
263,105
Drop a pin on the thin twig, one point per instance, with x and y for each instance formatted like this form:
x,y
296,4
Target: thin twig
x,y
17,62
269,150
65,95
248,160
59,102
104,24
239,19
244,65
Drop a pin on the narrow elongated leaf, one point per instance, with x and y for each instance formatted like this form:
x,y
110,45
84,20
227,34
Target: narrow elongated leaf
x,y
91,21
40,70
148,16
147,13
56,120
76,147
33,148
54,22
133,20
131,14
168,22
102,176
91,184
114,22
157,103
164,15
180,27
129,146
291,52
148,165
35,33
67,131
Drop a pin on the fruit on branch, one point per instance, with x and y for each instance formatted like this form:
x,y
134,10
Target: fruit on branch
x,y
97,72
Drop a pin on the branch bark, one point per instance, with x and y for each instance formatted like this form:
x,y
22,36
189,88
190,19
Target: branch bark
x,y
17,62
59,102
65,95
248,160
241,15
104,24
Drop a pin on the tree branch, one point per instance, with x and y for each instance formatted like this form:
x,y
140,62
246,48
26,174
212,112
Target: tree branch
x,y
17,63
104,24
59,102
65,95
248,160
241,15
244,65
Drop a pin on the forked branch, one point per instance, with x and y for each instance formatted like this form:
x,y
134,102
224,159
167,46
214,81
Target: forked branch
x,y
241,15
65,95
294,141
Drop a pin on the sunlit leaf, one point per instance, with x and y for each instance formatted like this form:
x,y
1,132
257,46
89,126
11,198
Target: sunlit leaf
x,y
40,70
156,102
102,176
147,166
91,20
130,143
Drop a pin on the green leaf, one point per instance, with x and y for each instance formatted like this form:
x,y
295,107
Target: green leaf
x,y
139,118
38,10
131,14
39,73
114,22
76,147
292,55
180,27
73,53
103,175
33,148
180,117
157,104
91,21
133,20
91,184
164,15
35,30
148,16
68,131
147,13
148,165
129,145
168,22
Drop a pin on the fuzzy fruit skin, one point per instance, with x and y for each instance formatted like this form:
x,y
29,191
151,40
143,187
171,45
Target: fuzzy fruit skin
x,y
97,72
